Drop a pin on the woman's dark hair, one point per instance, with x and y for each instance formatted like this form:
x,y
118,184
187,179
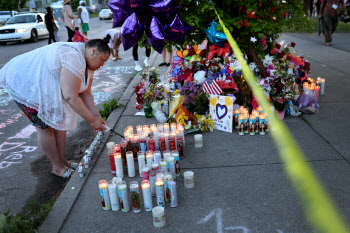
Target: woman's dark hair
x,y
100,45
48,10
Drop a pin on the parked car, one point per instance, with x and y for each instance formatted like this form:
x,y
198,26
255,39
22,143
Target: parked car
x,y
5,15
105,14
24,27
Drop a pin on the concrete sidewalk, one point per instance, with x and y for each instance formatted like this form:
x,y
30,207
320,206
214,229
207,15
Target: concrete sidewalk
x,y
240,182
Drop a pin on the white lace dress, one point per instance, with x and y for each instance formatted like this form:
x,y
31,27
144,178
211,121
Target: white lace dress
x,y
33,79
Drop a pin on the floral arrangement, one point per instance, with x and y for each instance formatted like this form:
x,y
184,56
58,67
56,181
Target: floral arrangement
x,y
151,75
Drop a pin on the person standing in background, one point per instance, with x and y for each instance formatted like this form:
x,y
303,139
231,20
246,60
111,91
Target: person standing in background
x,y
68,17
330,12
50,24
164,57
83,15
114,42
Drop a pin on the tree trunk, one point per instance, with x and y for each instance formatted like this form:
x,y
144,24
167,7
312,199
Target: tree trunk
x,y
307,7
257,61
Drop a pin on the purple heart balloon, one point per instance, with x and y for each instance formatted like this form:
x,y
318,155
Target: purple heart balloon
x,y
173,31
117,3
134,6
155,34
119,15
132,31
164,10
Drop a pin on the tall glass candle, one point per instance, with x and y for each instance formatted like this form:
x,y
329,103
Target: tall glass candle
x,y
160,192
113,196
175,154
173,126
151,143
103,187
180,145
124,149
166,154
119,165
236,113
166,136
163,165
162,145
111,160
143,144
262,124
323,84
141,161
306,87
172,193
157,156
135,196
182,132
317,93
166,127
167,177
311,91
155,165
160,127
123,196
241,124
130,129
152,180
172,144
145,172
260,109
135,145
246,123
252,125
266,123
130,163
171,165
139,130
149,158
110,145
147,197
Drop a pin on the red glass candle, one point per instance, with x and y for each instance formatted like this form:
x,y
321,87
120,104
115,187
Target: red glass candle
x,y
111,160
172,145
151,144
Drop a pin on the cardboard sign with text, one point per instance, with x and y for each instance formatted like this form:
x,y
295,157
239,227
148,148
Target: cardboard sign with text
x,y
221,112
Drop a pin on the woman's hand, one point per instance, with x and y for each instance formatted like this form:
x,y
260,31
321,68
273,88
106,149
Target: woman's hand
x,y
97,124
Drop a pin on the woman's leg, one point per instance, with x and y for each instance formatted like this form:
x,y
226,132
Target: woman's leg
x,y
171,56
48,143
134,52
164,55
61,145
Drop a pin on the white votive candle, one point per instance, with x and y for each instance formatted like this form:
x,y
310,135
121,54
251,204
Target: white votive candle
x,y
189,179
158,216
198,138
123,195
119,165
141,161
113,196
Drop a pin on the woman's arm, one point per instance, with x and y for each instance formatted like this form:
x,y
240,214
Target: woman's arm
x,y
70,14
70,85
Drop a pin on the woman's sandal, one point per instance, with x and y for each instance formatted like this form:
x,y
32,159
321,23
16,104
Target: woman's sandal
x,y
74,166
162,64
66,175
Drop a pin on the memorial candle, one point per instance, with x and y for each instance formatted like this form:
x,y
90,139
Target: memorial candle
x,y
124,148
167,177
173,126
157,156
130,163
252,125
171,165
262,124
182,132
152,180
110,145
111,161
160,192
130,129
306,88
166,127
158,216
103,188
160,127
172,193
180,146
175,154
135,145
166,136
189,179
155,165
143,144
323,83
145,172
113,196
259,109
141,161
166,154
135,196
171,139
119,165
246,122
151,143
236,113
139,130
311,91
149,158
317,93
162,145
147,197
123,196
163,165
155,135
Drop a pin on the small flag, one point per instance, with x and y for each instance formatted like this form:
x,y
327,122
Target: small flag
x,y
210,85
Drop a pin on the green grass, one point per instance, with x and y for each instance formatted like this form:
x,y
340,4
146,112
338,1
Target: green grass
x,y
93,15
312,27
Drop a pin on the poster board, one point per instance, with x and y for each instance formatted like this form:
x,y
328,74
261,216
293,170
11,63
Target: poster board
x,y
221,112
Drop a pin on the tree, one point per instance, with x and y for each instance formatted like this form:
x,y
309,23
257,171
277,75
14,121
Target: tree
x,y
244,19
12,5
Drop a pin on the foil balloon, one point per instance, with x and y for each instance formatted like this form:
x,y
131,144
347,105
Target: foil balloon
x,y
136,6
174,31
119,15
118,3
132,31
215,37
155,34
163,9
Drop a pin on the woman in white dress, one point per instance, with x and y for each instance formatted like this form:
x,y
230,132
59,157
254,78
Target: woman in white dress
x,y
52,85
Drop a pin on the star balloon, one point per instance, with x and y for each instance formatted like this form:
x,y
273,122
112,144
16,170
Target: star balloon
x,y
215,37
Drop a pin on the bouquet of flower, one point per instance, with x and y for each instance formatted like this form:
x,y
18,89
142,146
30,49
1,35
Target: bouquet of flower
x,y
152,93
151,75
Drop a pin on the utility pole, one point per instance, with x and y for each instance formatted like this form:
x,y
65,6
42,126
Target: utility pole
x,y
19,2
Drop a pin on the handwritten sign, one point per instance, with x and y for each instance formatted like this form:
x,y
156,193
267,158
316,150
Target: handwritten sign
x,y
221,112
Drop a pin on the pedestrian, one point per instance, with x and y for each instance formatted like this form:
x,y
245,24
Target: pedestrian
x,y
54,91
55,30
135,55
164,57
50,24
83,15
114,42
330,13
68,17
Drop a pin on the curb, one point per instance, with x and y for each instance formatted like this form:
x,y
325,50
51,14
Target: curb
x,y
65,202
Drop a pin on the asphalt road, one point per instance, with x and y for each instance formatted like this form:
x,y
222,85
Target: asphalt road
x,y
24,169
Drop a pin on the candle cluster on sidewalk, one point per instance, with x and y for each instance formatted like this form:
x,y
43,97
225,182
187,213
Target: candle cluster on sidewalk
x,y
157,150
314,89
254,123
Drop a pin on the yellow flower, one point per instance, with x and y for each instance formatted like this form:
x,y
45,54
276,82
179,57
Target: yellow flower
x,y
176,92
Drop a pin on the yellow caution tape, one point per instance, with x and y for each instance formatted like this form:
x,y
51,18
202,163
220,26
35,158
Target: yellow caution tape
x,y
318,207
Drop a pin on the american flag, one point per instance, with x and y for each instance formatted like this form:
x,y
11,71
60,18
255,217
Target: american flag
x,y
210,85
